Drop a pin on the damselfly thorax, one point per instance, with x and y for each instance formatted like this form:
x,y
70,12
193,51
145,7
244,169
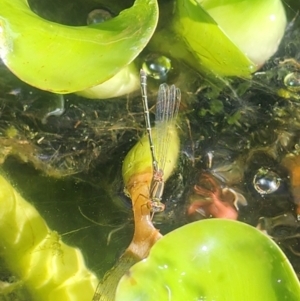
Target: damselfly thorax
x,y
156,191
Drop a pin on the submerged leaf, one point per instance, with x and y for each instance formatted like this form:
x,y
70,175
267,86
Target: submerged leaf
x,y
139,161
124,82
66,59
212,259
34,254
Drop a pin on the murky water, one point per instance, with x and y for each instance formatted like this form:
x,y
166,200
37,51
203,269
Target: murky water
x,y
237,139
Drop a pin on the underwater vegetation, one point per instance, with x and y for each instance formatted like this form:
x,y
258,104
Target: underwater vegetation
x,y
149,150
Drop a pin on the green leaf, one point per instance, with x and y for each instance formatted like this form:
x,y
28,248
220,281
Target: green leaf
x,y
258,34
46,267
209,45
214,259
66,59
138,160
124,82
224,38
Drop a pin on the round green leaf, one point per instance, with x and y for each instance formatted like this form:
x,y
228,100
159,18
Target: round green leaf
x,y
66,59
214,37
209,45
209,260
259,34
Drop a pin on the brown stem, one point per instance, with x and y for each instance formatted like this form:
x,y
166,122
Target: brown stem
x,y
145,234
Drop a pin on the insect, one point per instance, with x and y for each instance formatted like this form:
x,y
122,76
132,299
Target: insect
x,y
167,106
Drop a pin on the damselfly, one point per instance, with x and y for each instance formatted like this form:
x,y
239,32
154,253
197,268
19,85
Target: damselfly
x,y
167,107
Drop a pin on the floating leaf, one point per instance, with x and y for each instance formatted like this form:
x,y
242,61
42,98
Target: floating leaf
x,y
66,59
212,259
212,49
226,38
259,34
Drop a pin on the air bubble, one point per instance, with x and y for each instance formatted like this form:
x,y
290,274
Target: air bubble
x,y
98,16
157,66
266,181
292,81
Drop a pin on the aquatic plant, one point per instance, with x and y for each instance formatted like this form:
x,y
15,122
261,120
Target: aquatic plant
x,y
46,54
202,33
214,259
200,38
41,266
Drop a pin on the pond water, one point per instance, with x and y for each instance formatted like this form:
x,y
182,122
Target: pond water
x,y
239,139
